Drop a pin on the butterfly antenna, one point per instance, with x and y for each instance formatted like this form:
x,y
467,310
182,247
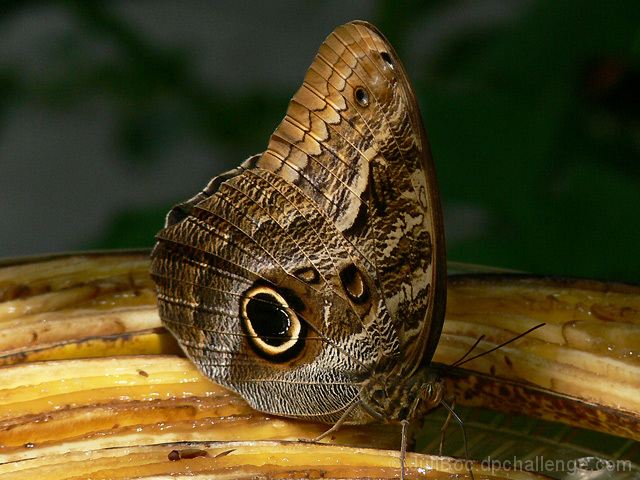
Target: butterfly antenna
x,y
459,361
464,435
464,360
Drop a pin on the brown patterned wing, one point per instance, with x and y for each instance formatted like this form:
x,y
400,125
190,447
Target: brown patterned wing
x,y
353,140
319,264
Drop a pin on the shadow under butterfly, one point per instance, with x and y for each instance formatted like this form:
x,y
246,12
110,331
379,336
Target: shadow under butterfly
x,y
312,278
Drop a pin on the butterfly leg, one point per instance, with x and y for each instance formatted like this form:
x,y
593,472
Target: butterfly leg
x,y
403,448
464,434
445,426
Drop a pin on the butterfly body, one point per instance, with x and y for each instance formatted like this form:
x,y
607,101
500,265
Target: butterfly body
x,y
311,279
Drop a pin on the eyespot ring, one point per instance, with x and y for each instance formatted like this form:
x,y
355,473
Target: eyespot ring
x,y
273,329
361,96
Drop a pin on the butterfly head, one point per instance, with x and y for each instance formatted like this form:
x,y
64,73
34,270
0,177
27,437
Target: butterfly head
x,y
396,396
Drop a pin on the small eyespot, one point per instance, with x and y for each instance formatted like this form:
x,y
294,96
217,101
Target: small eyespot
x,y
273,329
387,58
354,284
361,96
307,275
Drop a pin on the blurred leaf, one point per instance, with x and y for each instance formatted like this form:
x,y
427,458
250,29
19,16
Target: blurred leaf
x,y
512,130
534,121
131,228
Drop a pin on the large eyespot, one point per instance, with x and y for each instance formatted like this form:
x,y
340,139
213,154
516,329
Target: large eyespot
x,y
354,284
361,96
273,329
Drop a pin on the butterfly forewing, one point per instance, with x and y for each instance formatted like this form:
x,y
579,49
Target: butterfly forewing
x,y
319,264
366,162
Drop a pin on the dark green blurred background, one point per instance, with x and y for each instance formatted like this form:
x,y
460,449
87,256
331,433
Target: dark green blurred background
x,y
112,112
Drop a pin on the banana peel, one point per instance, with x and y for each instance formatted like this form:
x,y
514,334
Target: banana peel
x,y
89,370
582,368
247,460
81,404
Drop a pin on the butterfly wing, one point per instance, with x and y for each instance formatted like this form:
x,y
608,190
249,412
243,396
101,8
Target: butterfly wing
x,y
311,267
354,141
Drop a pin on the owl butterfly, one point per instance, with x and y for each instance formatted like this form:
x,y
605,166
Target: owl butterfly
x,y
311,279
